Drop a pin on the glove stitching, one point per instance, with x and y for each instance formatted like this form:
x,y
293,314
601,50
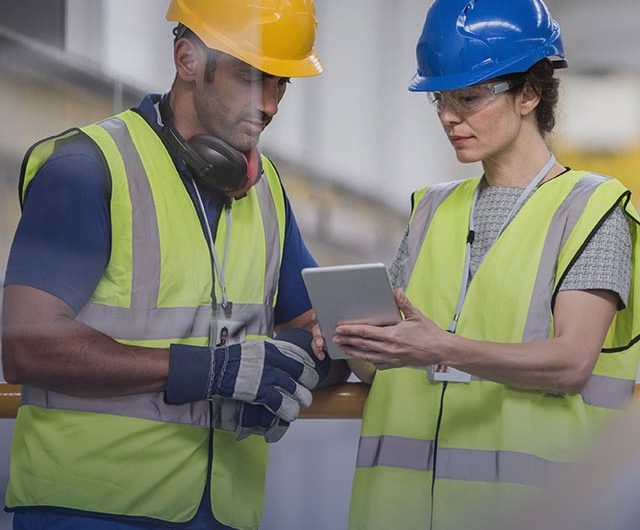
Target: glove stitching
x,y
211,375
223,368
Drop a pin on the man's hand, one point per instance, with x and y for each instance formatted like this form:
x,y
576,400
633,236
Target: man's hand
x,y
318,344
276,374
245,419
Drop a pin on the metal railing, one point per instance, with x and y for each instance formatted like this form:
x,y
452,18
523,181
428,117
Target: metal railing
x,y
344,401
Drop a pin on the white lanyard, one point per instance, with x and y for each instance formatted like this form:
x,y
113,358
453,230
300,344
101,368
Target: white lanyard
x,y
524,196
227,306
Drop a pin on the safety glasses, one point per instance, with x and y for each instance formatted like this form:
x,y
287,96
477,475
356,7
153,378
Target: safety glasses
x,y
471,99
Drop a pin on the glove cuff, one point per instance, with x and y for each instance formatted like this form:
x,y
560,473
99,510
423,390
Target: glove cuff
x,y
190,371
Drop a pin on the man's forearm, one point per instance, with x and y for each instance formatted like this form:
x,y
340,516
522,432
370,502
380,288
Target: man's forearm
x,y
69,357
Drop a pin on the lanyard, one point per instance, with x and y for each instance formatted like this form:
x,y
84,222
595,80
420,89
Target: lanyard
x,y
227,306
524,196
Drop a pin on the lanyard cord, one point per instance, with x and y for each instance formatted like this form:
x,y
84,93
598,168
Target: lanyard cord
x,y
524,196
212,249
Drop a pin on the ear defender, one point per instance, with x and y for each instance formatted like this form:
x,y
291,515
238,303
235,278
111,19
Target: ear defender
x,y
213,162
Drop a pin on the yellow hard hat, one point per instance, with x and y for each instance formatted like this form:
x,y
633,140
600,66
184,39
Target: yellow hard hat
x,y
274,36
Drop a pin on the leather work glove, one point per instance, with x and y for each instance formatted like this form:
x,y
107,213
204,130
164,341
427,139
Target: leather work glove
x,y
245,419
278,374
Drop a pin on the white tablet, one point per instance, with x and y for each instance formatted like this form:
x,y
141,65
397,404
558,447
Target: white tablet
x,y
350,293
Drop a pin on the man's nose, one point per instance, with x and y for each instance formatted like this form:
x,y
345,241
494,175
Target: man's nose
x,y
271,93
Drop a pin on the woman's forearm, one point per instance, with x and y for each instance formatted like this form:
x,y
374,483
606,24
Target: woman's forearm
x,y
555,365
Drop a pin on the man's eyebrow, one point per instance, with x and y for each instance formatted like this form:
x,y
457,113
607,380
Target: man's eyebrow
x,y
248,69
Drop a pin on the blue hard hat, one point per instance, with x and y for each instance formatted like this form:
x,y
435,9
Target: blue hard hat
x,y
465,42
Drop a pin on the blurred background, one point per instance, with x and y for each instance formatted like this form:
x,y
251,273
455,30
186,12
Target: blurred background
x,y
350,145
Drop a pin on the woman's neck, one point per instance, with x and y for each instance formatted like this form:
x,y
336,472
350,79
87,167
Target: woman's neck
x,y
518,165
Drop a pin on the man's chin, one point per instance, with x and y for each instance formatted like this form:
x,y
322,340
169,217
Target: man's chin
x,y
244,142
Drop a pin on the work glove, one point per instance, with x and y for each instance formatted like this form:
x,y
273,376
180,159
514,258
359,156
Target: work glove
x,y
246,419
278,374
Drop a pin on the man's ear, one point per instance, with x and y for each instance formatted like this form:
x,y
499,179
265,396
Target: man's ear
x,y
188,58
528,99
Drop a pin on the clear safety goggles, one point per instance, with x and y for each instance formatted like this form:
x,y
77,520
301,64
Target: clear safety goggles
x,y
470,99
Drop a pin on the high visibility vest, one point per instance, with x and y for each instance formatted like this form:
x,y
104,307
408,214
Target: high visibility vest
x,y
136,455
461,455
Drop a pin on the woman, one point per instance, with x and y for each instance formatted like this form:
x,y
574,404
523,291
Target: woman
x,y
520,290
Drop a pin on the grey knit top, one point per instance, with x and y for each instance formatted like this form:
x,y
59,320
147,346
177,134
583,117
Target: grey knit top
x,y
605,263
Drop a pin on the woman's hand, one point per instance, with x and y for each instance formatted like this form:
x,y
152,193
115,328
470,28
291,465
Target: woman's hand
x,y
416,341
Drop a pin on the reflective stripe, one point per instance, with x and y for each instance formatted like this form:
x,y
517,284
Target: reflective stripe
x,y
251,363
455,464
393,451
149,406
600,390
146,237
607,392
425,211
169,323
272,241
494,466
538,324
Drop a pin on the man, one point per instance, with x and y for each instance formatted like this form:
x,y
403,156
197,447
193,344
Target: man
x,y
224,335
141,236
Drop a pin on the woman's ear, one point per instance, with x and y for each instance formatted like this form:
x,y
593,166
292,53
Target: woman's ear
x,y
188,58
528,99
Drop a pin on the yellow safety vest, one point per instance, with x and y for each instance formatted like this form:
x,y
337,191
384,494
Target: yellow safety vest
x,y
136,455
462,455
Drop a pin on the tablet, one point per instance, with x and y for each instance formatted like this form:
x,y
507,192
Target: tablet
x,y
350,293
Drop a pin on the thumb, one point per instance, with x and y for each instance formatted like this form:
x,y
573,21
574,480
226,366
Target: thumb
x,y
410,312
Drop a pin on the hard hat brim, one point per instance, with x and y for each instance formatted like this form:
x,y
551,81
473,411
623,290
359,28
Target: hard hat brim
x,y
308,67
453,82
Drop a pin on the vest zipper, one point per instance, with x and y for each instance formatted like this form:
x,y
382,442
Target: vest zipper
x,y
435,451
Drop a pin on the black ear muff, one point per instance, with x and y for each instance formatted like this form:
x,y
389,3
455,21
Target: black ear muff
x,y
224,167
213,162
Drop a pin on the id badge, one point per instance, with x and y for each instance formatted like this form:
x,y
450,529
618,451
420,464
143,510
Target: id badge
x,y
442,372
228,332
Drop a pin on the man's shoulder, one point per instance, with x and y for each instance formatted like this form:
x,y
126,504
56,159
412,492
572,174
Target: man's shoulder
x,y
76,162
78,145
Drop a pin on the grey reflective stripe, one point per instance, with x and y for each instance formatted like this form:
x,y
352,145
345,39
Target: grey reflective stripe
x,y
455,464
149,406
146,238
494,466
425,211
538,324
251,367
169,323
271,239
393,451
607,392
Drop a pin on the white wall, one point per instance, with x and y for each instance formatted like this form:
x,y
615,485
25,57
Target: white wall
x,y
357,124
